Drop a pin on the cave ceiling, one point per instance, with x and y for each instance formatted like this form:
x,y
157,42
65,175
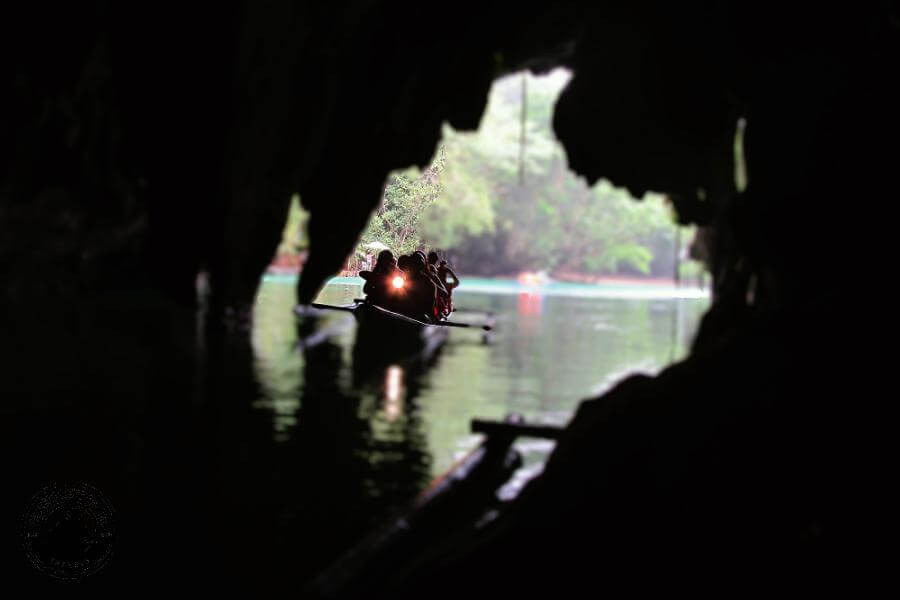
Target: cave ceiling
x,y
211,119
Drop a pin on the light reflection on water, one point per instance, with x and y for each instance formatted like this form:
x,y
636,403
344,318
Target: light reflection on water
x,y
393,392
548,352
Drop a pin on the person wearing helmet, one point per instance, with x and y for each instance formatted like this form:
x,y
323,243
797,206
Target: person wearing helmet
x,y
377,285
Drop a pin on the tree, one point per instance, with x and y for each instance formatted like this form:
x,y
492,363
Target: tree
x,y
553,220
293,237
406,197
471,203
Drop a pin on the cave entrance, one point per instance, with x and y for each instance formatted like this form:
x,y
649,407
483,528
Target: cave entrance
x,y
586,283
502,201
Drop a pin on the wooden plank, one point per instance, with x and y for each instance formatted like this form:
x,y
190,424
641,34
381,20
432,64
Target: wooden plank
x,y
513,429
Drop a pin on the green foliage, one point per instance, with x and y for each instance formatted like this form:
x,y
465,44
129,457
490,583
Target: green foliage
x,y
293,237
465,208
471,202
406,197
632,254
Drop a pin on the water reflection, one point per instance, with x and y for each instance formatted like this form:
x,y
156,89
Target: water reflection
x,y
351,449
393,393
263,454
530,303
353,434
548,352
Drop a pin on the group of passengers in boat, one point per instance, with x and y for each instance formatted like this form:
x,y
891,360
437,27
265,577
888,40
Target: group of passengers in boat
x,y
414,285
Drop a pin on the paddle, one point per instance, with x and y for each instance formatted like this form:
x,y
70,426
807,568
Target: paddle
x,y
455,324
349,309
485,327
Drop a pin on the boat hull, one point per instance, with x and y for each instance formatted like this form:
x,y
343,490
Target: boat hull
x,y
384,338
455,505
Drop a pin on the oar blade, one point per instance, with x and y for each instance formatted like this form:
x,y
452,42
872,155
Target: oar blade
x,y
467,325
316,305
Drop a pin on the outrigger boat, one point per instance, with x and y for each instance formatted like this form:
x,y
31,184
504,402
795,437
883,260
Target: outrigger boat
x,y
384,332
384,337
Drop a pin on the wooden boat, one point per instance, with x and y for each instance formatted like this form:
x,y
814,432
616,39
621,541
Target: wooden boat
x,y
385,337
461,501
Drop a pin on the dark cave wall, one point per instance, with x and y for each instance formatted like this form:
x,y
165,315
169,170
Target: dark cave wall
x,y
142,145
200,124
400,72
654,103
113,128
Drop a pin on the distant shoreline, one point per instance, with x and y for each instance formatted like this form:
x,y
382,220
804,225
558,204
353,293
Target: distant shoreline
x,y
559,277
621,279
610,288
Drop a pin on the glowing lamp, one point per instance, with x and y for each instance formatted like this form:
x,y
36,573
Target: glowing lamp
x,y
398,282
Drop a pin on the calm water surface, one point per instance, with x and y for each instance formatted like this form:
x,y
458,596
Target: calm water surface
x,y
551,348
266,454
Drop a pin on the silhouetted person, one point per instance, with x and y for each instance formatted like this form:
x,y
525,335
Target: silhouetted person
x,y
449,280
417,299
433,261
443,293
377,283
424,258
398,299
385,260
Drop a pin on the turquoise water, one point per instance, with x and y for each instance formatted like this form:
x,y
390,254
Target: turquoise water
x,y
553,346
627,290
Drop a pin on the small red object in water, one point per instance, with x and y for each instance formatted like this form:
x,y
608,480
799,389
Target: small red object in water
x,y
529,278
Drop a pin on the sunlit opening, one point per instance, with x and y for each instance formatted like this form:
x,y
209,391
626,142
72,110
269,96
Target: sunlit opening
x,y
582,284
502,202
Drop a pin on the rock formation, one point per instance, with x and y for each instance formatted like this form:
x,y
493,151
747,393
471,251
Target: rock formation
x,y
141,144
